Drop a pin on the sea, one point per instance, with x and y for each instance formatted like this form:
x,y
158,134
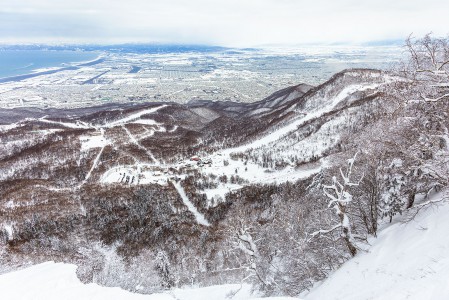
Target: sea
x,y
20,62
313,64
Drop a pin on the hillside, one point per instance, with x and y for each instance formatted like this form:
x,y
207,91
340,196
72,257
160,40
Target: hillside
x,y
277,194
406,261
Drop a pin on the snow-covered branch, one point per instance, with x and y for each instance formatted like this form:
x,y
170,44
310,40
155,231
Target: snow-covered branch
x,y
325,231
435,99
339,198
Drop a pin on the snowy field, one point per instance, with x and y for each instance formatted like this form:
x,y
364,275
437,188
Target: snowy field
x,y
56,281
407,261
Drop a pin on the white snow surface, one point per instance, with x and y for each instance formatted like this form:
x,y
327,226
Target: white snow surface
x,y
199,217
76,125
56,281
94,165
9,230
407,261
8,127
147,122
93,141
134,117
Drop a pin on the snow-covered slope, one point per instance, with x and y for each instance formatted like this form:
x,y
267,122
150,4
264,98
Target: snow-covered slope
x,y
265,106
408,260
48,281
298,134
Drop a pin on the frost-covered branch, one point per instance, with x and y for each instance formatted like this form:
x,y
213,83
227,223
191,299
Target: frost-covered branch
x,y
427,99
325,231
340,197
246,243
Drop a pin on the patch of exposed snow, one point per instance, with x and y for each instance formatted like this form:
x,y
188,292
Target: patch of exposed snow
x,y
76,125
199,217
396,162
51,281
219,193
134,175
93,141
94,165
259,111
133,117
9,231
311,114
8,127
136,142
119,174
146,122
254,173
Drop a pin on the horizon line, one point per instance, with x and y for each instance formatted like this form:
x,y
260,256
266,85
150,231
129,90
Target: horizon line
x,y
377,43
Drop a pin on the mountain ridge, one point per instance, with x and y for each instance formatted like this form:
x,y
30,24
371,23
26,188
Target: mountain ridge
x,y
121,189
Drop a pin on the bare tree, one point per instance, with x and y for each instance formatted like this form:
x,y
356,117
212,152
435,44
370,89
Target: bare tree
x,y
427,69
255,262
417,136
339,200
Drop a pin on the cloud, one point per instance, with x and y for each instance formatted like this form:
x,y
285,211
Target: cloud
x,y
230,23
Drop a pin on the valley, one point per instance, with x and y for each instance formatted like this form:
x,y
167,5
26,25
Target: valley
x,y
276,194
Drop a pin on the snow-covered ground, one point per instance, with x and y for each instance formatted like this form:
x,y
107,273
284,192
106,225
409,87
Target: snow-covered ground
x,y
56,281
249,171
407,261
198,216
134,117
93,141
77,125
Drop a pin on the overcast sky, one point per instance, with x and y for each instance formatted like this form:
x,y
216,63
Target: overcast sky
x,y
219,22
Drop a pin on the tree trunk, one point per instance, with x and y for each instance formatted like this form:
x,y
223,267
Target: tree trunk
x,y
352,249
347,235
411,199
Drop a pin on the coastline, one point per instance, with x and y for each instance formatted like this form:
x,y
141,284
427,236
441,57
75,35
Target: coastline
x,y
40,72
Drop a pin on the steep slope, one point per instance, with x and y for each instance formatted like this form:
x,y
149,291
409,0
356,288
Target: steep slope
x,y
406,261
313,126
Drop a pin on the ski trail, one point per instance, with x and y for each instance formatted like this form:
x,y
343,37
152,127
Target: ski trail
x,y
94,165
136,142
147,134
53,189
134,116
77,125
198,216
314,113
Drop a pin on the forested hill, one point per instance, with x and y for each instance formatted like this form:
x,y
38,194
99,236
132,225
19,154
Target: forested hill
x,y
277,193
